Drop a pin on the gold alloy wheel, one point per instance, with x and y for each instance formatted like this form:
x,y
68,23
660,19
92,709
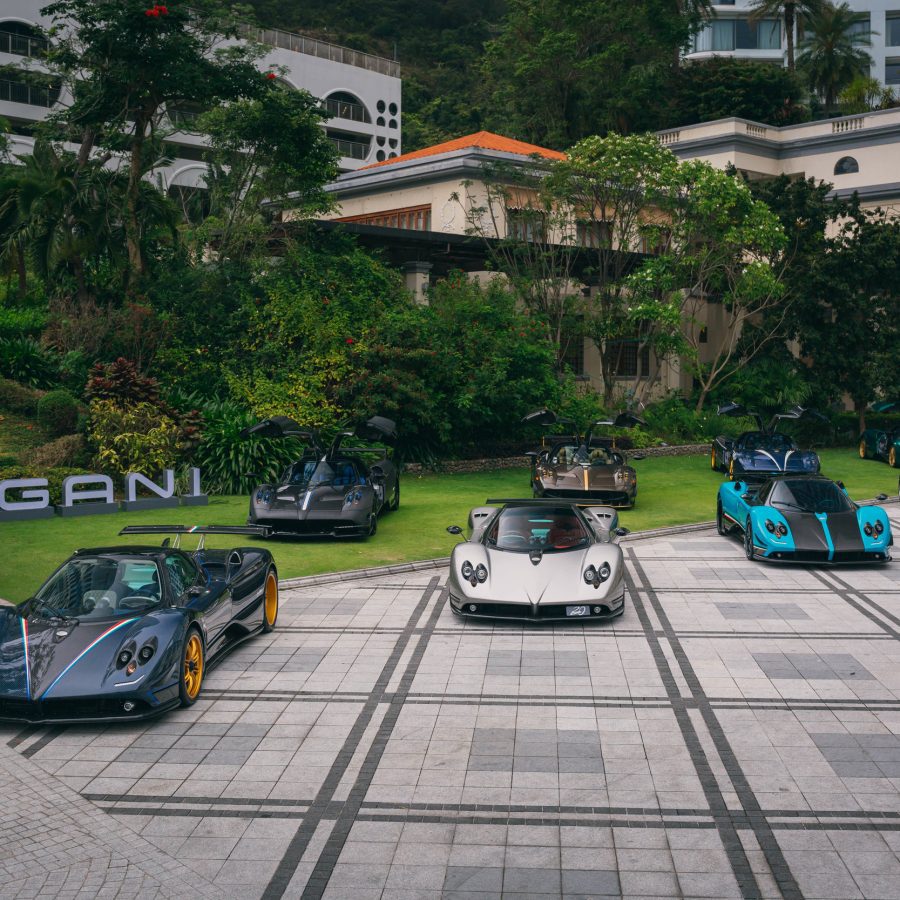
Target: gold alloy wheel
x,y
271,604
892,458
193,666
862,449
731,468
712,460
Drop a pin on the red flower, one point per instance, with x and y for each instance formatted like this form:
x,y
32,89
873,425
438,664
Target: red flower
x,y
350,341
151,12
271,76
164,10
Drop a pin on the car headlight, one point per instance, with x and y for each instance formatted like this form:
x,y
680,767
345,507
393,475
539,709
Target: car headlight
x,y
124,658
481,573
781,529
770,526
879,527
604,572
590,575
467,570
146,653
868,529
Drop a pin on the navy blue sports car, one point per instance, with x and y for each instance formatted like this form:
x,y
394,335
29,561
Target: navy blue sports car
x,y
758,454
804,519
124,633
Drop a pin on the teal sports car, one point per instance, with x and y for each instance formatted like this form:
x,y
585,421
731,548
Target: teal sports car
x,y
803,519
882,443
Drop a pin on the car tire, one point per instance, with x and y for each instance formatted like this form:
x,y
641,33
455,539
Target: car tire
x,y
373,525
395,500
863,450
720,520
270,601
892,458
748,541
193,665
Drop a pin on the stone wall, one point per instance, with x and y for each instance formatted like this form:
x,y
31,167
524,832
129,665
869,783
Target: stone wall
x,y
464,466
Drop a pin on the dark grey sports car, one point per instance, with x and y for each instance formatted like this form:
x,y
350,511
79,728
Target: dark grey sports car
x,y
329,491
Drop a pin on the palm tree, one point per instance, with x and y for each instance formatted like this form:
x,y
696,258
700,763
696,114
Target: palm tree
x,y
788,11
832,53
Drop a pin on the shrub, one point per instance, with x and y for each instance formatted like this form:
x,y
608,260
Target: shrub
x,y
121,382
226,459
57,412
675,421
69,450
22,323
18,398
138,437
24,360
54,478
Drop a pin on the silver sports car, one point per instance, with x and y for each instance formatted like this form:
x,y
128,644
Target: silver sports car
x,y
538,561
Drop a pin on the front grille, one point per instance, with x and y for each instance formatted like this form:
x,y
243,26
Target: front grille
x,y
70,708
821,556
613,498
520,611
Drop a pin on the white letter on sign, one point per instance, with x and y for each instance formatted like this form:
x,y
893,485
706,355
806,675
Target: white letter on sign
x,y
70,495
31,498
133,479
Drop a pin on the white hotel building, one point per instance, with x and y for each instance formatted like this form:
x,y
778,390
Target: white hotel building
x,y
730,33
361,92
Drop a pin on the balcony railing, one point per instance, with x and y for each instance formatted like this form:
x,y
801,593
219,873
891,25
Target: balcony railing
x,y
17,92
352,149
299,43
344,109
22,44
185,119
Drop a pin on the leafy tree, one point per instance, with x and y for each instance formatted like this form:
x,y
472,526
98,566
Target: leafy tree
x,y
831,53
561,70
789,11
866,94
723,256
127,63
267,148
722,87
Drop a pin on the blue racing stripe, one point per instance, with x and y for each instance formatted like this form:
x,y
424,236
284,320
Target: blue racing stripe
x,y
823,518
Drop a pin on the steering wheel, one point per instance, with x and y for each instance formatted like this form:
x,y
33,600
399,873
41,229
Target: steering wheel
x,y
514,538
136,601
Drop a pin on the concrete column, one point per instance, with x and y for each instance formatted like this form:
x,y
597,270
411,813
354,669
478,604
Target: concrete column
x,y
418,278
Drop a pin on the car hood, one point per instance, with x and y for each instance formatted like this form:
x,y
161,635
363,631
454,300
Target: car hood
x,y
777,460
557,578
42,658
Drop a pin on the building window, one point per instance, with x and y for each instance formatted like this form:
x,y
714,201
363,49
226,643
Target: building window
x,y
892,37
846,165
595,235
626,357
354,146
19,39
573,357
863,25
739,34
14,89
342,105
892,71
411,218
525,224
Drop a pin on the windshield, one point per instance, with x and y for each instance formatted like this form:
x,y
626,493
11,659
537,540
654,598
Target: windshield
x,y
809,496
98,587
773,443
524,528
314,473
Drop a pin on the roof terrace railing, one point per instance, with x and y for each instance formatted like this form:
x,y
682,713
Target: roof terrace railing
x,y
23,44
299,43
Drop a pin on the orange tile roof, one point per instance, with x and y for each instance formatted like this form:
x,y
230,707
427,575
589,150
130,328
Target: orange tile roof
x,y
486,140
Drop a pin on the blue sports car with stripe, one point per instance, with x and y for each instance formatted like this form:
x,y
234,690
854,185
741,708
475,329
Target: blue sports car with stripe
x,y
124,633
803,519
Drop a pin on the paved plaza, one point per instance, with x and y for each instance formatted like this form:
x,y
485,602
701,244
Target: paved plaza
x,y
735,734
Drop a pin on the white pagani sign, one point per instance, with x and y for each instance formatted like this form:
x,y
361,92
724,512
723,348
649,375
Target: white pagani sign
x,y
85,495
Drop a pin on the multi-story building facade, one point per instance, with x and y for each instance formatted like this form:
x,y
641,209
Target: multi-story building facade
x,y
731,33
361,92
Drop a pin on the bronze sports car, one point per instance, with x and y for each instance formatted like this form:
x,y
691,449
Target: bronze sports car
x,y
589,468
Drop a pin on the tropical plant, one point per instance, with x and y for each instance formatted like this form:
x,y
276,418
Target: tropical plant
x,y
121,382
138,437
866,94
26,361
831,53
790,12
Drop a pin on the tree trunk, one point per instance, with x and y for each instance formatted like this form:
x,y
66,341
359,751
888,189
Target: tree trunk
x,y
860,408
789,21
132,225
701,400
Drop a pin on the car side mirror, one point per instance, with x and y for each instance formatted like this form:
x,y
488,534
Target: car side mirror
x,y
454,529
881,497
638,458
738,486
621,532
378,478
532,455
196,590
747,496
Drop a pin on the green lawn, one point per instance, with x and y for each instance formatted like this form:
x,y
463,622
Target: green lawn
x,y
672,491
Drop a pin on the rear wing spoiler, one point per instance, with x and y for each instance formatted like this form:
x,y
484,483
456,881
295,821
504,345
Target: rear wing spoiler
x,y
538,501
202,530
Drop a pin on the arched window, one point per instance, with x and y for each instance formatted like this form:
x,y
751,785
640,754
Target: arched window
x,y
846,165
20,39
344,105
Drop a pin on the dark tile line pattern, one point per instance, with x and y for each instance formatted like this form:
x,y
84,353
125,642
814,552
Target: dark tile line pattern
x,y
845,591
281,878
50,735
334,845
23,736
730,839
